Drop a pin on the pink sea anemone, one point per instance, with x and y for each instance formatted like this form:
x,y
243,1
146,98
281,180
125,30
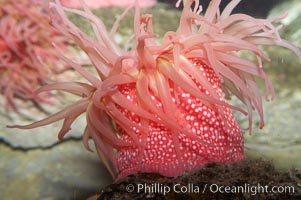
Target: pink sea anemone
x,y
161,107
27,58
93,4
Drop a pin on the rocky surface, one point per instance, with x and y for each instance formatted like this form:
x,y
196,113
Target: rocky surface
x,y
66,171
244,180
34,165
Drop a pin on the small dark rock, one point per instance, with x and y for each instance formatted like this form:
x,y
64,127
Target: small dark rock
x,y
202,183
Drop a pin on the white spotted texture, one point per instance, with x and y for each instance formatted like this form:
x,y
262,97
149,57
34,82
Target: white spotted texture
x,y
169,157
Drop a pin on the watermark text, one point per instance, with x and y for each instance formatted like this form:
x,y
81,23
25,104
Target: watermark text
x,y
161,188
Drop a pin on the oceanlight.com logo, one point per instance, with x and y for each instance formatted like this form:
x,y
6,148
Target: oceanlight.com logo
x,y
164,189
250,189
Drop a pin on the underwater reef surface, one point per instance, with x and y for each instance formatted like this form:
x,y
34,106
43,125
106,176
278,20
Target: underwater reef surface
x,y
64,170
204,183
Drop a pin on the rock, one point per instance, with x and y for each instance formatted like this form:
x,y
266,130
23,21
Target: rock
x,y
247,179
44,137
34,165
66,171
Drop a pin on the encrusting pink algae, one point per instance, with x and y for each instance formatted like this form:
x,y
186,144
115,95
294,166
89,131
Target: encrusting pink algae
x,y
161,107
